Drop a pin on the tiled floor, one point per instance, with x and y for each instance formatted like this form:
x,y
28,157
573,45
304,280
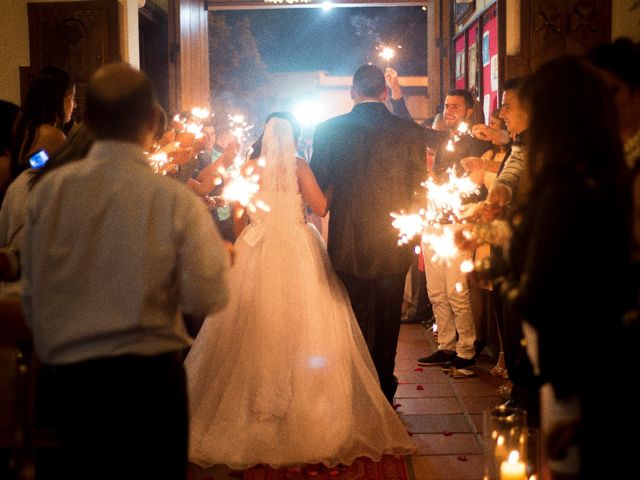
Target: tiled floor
x,y
444,415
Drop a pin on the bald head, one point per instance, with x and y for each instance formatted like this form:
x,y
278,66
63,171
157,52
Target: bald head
x,y
120,103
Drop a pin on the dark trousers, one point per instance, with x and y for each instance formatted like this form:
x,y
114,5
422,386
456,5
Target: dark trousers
x,y
121,418
526,385
377,304
419,297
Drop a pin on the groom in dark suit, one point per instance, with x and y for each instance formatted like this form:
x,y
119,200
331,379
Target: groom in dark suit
x,y
371,163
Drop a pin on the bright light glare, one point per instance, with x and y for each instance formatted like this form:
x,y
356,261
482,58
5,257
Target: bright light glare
x,y
309,112
317,361
326,6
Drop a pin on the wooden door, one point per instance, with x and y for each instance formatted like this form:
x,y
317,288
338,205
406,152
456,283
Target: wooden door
x,y
76,36
551,28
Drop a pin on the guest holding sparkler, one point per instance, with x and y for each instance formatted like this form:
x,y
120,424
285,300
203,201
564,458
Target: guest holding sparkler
x,y
451,144
446,284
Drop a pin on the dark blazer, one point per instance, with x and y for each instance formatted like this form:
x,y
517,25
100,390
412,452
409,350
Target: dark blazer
x,y
374,161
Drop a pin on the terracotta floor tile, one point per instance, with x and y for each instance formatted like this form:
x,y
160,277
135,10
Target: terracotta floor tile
x,y
457,423
422,406
447,467
429,389
447,444
475,389
426,376
478,404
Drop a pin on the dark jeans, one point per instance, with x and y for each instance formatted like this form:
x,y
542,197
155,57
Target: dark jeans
x,y
377,304
121,418
526,385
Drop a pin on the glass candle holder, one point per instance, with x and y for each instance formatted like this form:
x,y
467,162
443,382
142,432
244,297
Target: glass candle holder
x,y
505,432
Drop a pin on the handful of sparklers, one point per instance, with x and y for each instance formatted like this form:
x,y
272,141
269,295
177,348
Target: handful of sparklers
x,y
443,207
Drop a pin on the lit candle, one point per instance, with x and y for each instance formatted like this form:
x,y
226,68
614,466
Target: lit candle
x,y
513,468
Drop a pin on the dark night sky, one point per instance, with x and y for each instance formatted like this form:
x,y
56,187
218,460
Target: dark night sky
x,y
338,40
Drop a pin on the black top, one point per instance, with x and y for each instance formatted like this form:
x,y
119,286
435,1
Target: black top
x,y
436,140
374,161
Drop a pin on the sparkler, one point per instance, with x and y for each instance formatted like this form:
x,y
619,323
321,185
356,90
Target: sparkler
x,y
241,183
443,207
387,53
463,129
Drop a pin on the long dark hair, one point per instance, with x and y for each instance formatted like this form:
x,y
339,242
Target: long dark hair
x,y
573,130
295,127
44,105
8,114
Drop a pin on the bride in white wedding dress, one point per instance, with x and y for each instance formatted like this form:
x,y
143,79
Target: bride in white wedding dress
x,y
282,376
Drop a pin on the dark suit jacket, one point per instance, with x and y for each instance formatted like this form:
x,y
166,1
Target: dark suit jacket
x,y
375,162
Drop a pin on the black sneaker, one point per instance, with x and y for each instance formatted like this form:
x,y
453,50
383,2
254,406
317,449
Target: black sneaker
x,y
459,362
440,357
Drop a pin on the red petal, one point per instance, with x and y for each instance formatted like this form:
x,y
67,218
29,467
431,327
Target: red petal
x,y
418,369
447,434
333,473
419,387
462,458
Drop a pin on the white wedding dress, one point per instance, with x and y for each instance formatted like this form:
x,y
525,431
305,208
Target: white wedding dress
x,y
282,375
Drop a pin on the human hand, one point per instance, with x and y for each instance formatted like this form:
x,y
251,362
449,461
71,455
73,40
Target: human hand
x,y
499,195
168,138
490,212
186,139
180,156
463,238
488,134
230,153
471,211
391,77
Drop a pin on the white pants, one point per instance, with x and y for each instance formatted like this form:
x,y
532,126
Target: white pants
x,y
449,295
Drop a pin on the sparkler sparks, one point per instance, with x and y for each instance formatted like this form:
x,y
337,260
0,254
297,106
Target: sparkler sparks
x,y
443,207
241,183
387,53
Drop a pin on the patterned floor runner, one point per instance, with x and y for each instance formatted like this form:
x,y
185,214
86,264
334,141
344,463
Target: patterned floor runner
x,y
389,467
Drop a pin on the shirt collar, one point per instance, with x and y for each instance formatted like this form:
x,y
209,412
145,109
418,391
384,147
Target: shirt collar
x,y
117,149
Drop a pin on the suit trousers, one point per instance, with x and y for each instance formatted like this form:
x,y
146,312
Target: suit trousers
x,y
121,417
377,304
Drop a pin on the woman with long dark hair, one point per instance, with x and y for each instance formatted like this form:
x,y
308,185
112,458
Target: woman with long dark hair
x,y
48,106
570,252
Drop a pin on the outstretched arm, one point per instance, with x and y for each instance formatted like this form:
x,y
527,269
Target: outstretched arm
x,y
310,189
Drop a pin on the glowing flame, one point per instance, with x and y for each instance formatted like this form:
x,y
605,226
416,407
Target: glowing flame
x,y
408,225
442,243
387,53
514,456
201,113
449,146
158,161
